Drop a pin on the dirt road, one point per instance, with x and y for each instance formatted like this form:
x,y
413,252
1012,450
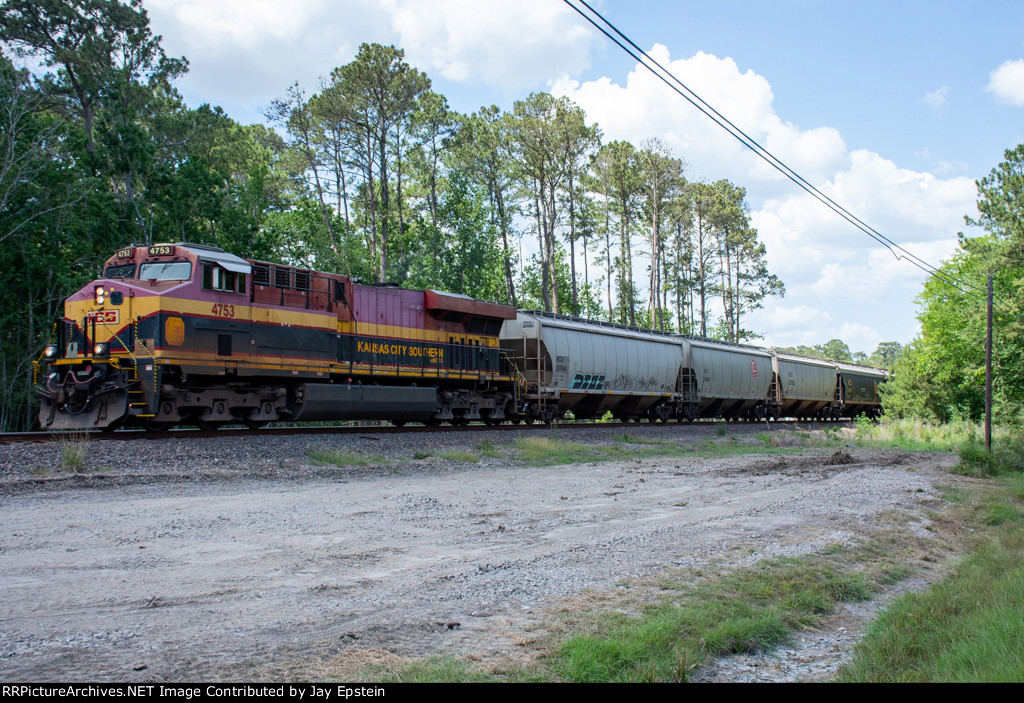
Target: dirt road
x,y
192,580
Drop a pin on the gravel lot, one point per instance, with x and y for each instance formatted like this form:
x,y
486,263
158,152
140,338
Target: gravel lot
x,y
234,558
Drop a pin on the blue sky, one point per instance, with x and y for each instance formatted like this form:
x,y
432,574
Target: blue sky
x,y
893,108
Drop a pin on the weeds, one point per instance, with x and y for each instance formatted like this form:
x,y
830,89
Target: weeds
x,y
744,611
1006,457
488,449
967,628
72,452
544,451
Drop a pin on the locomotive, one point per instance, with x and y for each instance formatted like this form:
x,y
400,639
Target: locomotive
x,y
187,333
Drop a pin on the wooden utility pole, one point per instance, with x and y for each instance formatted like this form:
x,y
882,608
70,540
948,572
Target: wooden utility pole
x,y
988,373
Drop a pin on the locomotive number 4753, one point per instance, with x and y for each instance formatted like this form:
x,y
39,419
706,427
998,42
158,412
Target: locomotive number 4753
x,y
221,310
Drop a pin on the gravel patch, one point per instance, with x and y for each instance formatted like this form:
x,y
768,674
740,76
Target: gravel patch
x,y
203,558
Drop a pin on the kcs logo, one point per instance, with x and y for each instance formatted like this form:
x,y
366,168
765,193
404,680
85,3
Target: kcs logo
x,y
103,317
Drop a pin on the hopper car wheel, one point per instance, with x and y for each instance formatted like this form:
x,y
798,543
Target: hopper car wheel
x,y
398,423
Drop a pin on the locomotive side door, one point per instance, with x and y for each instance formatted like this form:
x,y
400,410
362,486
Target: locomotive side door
x,y
231,328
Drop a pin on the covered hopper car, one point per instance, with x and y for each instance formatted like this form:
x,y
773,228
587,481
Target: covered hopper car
x,y
190,334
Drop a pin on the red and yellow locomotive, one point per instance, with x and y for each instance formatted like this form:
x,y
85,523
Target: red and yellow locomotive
x,y
188,333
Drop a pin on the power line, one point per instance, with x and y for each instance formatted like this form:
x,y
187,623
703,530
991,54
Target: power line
x,y
677,86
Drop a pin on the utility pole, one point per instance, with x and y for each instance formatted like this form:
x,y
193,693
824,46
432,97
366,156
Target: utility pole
x,y
988,373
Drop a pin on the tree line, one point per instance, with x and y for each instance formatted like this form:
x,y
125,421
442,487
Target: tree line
x,y
941,374
372,175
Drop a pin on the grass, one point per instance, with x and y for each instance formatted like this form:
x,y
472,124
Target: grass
x,y
744,611
72,452
547,451
969,626
1007,456
925,436
663,628
340,458
488,449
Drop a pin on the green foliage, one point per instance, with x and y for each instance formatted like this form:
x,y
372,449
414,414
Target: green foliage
x,y
966,628
72,453
942,374
748,610
1006,457
488,449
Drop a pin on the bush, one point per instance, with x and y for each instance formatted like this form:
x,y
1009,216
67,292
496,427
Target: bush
x,y
975,460
1007,456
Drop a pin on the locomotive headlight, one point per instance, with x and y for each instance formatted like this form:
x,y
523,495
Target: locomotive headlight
x,y
100,292
51,351
101,349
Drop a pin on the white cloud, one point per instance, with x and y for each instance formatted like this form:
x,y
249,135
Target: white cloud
x,y
239,24
1007,82
783,317
246,48
645,107
469,40
917,210
810,326
937,99
826,263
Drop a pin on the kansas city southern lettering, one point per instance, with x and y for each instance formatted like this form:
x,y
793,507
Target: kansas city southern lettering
x,y
401,350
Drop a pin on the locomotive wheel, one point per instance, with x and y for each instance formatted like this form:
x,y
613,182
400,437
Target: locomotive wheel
x,y
398,423
208,425
154,425
255,424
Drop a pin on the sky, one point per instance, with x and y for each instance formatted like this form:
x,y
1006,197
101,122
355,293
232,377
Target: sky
x,y
892,108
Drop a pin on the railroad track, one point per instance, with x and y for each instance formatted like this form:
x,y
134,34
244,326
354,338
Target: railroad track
x,y
133,435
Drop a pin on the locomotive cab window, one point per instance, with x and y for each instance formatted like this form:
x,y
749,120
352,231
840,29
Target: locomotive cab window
x,y
122,271
218,279
166,271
